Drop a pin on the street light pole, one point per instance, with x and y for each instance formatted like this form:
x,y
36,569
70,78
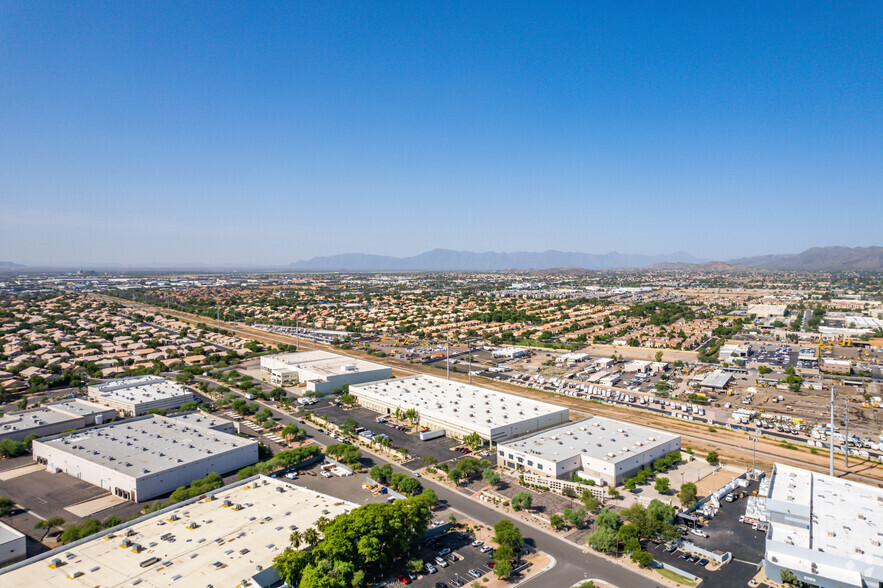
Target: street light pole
x,y
846,437
469,351
831,436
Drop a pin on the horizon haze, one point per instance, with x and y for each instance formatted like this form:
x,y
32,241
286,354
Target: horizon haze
x,y
257,136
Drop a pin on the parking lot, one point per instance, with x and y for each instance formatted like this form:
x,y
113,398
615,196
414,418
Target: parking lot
x,y
460,556
440,448
726,533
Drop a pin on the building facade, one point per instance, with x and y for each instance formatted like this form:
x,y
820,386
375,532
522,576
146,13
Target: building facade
x,y
595,448
321,371
136,395
145,457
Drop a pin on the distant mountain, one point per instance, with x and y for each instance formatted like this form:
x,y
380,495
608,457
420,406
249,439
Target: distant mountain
x,y
709,266
448,260
8,265
868,259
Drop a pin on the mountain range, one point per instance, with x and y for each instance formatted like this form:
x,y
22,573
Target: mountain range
x,y
814,259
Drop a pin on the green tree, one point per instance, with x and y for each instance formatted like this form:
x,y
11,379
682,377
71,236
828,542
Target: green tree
x,y
642,558
604,539
661,485
712,458
788,577
49,524
576,516
521,500
631,484
503,558
608,518
349,425
295,539
6,505
688,493
506,533
491,477
473,441
557,521
589,501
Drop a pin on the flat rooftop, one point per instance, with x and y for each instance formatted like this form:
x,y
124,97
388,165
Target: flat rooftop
x,y
225,546
145,445
717,379
198,418
78,407
846,517
454,402
325,363
595,437
138,389
30,418
7,533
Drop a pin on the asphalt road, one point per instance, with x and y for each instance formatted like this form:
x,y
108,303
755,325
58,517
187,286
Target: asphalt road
x,y
573,563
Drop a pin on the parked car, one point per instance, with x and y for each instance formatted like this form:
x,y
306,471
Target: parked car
x,y
474,573
699,533
441,585
404,579
671,547
486,548
430,568
703,562
477,543
445,551
441,562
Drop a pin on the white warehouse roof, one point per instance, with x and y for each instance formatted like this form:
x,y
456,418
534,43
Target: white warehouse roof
x,y
144,445
138,390
320,363
455,402
202,542
596,437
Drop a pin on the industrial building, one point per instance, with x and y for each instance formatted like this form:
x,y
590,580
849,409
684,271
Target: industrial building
x,y
53,418
460,409
732,351
228,537
13,545
825,530
768,310
510,352
715,381
145,457
136,395
321,371
595,448
837,366
197,418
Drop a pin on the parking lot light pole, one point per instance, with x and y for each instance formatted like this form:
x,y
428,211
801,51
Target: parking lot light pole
x,y
448,354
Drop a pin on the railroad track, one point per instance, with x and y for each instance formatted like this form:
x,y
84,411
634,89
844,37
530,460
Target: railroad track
x,y
726,442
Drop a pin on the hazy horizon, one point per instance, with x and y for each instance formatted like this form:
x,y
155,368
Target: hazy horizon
x,y
257,136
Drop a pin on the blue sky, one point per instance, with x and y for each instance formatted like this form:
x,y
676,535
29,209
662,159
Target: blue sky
x,y
260,133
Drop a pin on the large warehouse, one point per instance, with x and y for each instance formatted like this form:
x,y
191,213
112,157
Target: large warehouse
x,y
53,418
144,457
227,538
136,395
825,530
595,448
321,371
460,409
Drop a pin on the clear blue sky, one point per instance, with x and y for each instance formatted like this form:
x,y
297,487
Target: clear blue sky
x,y
255,133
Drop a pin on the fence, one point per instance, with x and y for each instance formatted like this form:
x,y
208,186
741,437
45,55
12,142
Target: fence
x,y
712,555
679,571
558,486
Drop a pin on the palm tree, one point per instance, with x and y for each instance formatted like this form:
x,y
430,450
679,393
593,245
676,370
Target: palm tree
x,y
295,539
321,523
311,536
48,525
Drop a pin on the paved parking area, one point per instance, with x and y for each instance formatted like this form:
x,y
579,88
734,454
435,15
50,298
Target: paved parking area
x,y
440,448
48,495
468,557
726,533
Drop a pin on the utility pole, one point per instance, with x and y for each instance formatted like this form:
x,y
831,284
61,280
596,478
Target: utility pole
x,y
448,354
754,456
469,351
831,437
297,329
846,438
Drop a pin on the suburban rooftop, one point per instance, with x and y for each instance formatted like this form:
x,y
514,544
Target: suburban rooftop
x,y
139,389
